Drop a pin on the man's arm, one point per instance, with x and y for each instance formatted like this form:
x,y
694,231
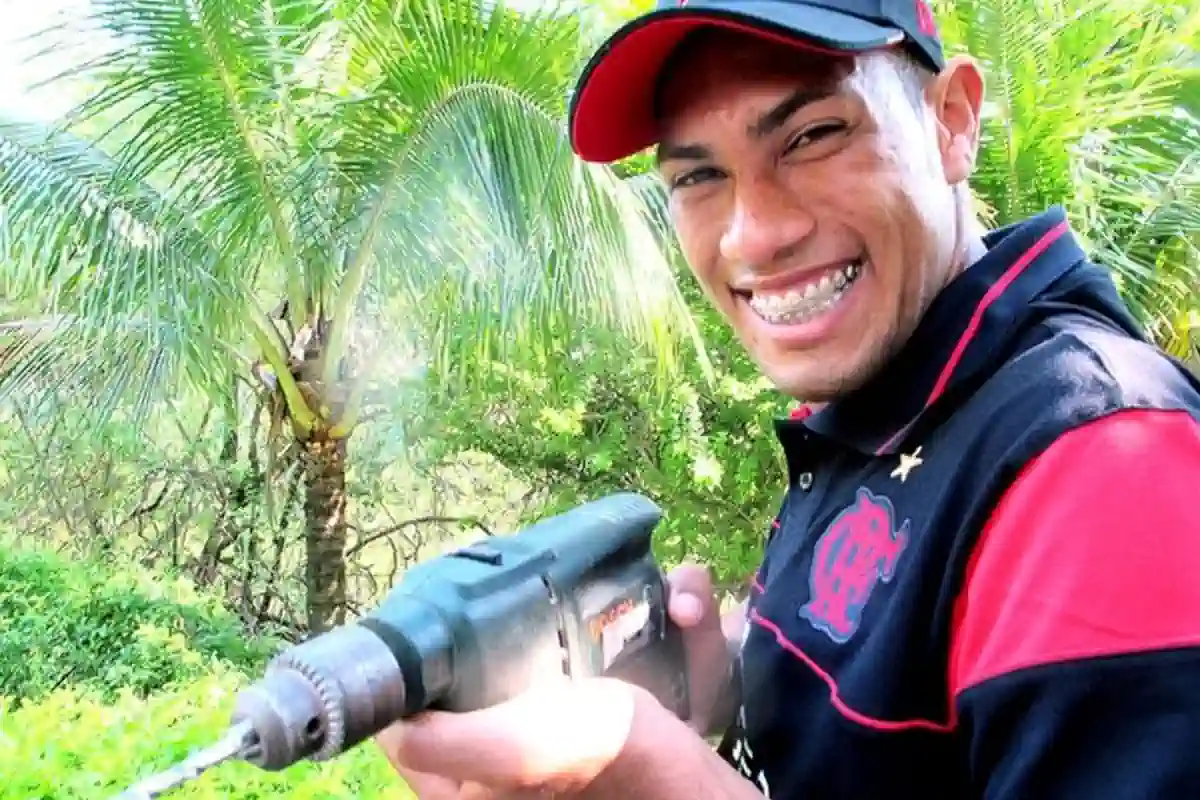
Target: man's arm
x,y
1075,660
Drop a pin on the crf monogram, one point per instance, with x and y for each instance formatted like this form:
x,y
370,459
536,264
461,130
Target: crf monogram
x,y
858,549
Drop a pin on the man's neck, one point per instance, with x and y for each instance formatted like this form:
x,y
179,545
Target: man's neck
x,y
976,249
973,232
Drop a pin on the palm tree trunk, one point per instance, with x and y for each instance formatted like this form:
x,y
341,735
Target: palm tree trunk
x,y
325,532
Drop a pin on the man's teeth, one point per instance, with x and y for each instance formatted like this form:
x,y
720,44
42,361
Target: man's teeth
x,y
800,305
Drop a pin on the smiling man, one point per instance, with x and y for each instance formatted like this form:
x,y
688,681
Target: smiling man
x,y
982,581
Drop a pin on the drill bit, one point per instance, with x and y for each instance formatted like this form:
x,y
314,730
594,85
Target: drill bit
x,y
236,741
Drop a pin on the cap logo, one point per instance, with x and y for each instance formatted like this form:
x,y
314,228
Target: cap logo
x,y
925,20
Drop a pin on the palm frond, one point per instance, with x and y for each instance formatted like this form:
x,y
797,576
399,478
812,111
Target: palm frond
x,y
112,368
206,100
1088,105
117,268
472,204
405,160
506,245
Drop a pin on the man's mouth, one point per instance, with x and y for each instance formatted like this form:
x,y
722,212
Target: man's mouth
x,y
806,301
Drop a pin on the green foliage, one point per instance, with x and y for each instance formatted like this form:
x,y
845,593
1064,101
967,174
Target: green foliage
x,y
108,631
72,745
707,459
701,445
109,675
1096,106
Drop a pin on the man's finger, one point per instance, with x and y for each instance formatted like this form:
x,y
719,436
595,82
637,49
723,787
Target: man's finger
x,y
691,595
686,610
466,747
422,784
691,579
523,743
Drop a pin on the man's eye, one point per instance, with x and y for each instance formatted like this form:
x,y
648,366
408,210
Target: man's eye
x,y
692,177
814,133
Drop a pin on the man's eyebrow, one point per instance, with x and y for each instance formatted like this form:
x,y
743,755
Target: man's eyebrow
x,y
671,151
774,118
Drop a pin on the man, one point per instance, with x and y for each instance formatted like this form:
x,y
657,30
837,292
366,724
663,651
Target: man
x,y
983,580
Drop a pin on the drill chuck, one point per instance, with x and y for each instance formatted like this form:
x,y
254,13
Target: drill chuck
x,y
321,698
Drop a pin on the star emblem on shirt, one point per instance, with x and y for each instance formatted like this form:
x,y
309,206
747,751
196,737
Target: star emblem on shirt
x,y
907,464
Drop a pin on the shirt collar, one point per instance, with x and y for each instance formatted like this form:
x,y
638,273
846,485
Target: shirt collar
x,y
961,334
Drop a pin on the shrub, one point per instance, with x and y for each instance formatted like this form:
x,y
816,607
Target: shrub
x,y
111,676
72,745
88,626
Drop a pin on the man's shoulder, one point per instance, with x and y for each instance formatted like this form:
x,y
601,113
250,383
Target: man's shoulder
x,y
1135,371
1068,373
1072,369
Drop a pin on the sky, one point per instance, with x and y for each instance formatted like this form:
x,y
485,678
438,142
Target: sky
x,y
23,18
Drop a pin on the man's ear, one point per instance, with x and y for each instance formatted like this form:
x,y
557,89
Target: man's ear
x,y
956,97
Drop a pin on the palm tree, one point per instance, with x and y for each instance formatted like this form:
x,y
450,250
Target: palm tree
x,y
333,197
1095,104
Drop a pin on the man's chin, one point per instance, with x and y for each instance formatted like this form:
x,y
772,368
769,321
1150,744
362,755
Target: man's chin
x,y
820,381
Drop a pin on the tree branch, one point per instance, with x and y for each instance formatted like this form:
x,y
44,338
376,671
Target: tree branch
x,y
388,531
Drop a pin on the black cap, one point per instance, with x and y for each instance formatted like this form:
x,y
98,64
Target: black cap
x,y
612,113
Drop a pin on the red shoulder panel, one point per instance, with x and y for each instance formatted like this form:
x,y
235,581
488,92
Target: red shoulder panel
x,y
1094,551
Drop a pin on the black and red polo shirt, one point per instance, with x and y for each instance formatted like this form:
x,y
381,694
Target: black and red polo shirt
x,y
984,579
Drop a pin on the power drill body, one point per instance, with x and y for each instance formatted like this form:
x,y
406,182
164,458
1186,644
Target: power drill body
x,y
579,594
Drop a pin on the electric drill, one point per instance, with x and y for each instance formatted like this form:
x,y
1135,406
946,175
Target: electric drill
x,y
579,594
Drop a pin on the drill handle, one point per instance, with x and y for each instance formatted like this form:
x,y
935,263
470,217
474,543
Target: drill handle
x,y
654,657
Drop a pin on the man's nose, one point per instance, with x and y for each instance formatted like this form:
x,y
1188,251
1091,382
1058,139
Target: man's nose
x,y
766,223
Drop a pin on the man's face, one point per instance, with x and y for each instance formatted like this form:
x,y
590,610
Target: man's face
x,y
814,201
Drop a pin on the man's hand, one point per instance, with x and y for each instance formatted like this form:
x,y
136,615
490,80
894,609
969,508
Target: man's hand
x,y
695,609
557,739
551,741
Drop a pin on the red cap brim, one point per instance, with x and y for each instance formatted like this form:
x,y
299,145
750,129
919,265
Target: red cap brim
x,y
612,113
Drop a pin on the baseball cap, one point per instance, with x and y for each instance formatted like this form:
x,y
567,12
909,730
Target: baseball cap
x,y
612,109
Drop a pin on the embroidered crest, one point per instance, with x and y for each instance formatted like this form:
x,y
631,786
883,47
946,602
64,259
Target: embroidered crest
x,y
857,551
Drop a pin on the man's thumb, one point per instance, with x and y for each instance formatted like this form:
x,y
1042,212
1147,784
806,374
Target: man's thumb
x,y
691,595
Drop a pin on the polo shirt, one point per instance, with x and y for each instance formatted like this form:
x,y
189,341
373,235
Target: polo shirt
x,y
984,577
